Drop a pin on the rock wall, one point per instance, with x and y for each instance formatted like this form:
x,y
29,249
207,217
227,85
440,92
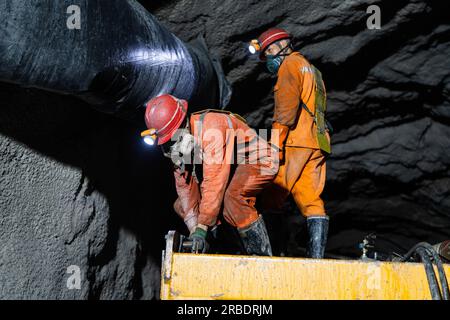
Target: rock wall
x,y
70,184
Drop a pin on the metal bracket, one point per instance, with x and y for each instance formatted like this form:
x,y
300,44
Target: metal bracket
x,y
173,241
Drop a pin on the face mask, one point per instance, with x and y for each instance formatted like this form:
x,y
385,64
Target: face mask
x,y
273,63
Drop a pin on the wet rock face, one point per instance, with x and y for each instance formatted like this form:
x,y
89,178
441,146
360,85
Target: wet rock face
x,y
388,100
72,194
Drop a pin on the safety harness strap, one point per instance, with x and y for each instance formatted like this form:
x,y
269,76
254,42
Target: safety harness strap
x,y
203,113
319,112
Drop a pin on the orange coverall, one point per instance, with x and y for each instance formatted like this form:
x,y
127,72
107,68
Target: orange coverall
x,y
303,172
229,178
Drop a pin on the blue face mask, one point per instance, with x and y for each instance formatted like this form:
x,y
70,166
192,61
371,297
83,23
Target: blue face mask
x,y
273,63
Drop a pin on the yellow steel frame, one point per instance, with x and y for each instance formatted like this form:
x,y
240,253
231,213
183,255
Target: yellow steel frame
x,y
207,276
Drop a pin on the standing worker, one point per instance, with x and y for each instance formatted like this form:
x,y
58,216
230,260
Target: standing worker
x,y
219,161
303,139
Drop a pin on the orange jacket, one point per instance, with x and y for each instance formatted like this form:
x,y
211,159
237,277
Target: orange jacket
x,y
295,85
220,135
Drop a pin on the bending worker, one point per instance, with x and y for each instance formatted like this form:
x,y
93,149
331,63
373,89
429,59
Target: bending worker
x,y
209,173
303,139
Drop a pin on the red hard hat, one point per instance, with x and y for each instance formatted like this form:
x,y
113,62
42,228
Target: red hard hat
x,y
165,114
270,36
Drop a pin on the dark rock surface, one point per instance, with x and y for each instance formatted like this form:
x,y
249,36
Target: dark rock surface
x,y
68,197
78,188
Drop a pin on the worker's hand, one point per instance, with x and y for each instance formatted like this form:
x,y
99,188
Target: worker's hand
x,y
198,238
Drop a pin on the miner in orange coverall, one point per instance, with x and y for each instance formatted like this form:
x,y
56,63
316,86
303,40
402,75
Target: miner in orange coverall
x,y
219,162
303,140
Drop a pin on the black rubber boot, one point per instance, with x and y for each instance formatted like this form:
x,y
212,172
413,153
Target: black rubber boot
x,y
318,233
255,238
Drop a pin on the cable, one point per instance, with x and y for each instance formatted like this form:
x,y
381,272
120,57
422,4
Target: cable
x,y
442,277
426,251
410,253
431,276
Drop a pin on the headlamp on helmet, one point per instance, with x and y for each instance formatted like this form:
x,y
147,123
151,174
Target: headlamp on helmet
x,y
254,46
149,136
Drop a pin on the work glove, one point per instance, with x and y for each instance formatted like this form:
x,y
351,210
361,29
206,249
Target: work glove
x,y
198,238
280,139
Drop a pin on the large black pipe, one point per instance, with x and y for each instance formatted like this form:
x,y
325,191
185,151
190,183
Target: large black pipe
x,y
118,58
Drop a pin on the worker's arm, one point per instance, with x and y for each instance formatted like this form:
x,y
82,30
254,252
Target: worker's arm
x,y
278,138
288,90
217,152
186,206
287,101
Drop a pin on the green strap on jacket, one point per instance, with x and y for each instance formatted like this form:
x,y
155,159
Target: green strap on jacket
x,y
320,109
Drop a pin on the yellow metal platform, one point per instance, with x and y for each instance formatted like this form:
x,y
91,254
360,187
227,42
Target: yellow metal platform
x,y
207,276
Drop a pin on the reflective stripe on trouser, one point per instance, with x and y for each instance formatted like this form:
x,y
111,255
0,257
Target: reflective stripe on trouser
x,y
240,197
302,175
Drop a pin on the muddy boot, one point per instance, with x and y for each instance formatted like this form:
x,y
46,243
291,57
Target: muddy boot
x,y
255,238
318,233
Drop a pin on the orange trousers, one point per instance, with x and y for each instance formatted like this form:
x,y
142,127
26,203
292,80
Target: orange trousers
x,y
303,175
239,199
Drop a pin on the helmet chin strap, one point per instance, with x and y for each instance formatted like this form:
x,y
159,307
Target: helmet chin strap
x,y
274,62
282,49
